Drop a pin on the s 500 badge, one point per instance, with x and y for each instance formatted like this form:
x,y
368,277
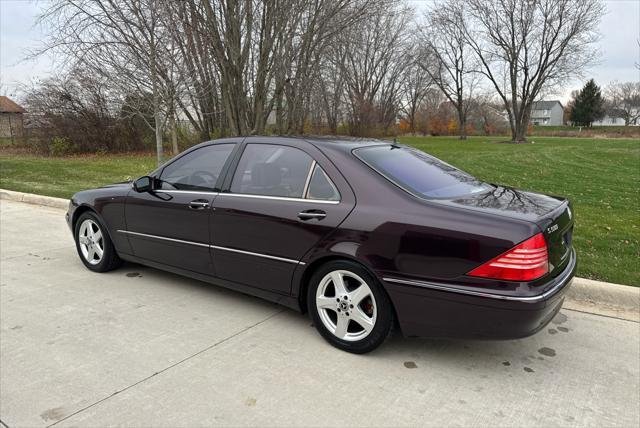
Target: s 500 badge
x,y
552,229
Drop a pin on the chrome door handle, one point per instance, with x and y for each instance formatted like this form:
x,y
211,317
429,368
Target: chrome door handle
x,y
199,204
311,214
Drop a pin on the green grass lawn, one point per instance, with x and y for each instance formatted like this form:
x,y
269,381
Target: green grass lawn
x,y
600,176
616,128
62,177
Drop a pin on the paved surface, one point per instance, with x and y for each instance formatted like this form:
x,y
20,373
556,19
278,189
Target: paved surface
x,y
140,347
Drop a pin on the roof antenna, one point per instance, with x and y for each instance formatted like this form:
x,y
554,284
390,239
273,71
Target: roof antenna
x,y
395,143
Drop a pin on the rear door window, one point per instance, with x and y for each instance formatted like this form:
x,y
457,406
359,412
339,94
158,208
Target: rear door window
x,y
419,173
321,187
272,170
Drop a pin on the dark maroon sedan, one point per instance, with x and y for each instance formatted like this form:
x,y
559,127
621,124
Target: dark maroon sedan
x,y
359,233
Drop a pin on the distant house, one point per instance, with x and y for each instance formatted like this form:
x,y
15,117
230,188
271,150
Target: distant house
x,y
609,121
547,113
11,119
617,119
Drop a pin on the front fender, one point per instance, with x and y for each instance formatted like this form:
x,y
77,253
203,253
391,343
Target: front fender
x,y
109,205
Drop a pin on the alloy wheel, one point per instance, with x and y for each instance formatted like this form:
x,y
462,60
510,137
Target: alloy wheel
x,y
91,242
346,305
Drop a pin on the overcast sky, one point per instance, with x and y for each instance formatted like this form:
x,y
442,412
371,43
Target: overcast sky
x,y
620,30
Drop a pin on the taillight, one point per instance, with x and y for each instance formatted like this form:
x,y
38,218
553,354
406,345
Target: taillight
x,y
526,261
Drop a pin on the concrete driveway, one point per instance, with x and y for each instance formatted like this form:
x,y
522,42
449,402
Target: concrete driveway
x,y
141,347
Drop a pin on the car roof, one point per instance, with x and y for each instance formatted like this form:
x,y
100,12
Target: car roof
x,y
341,143
333,141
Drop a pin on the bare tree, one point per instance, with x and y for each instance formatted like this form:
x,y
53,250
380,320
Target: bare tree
x,y
220,64
124,40
231,34
318,23
486,114
77,109
266,51
524,46
624,101
330,88
416,84
428,110
4,89
200,98
375,54
448,59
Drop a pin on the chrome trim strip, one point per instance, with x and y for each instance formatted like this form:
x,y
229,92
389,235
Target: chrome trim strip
x,y
280,198
305,189
146,235
562,281
189,192
199,244
250,253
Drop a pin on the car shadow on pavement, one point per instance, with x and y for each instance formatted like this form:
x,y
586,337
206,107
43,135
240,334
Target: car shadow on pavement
x,y
524,354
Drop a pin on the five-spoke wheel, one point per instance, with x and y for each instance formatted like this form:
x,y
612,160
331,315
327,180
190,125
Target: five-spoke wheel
x,y
349,307
346,305
93,244
91,241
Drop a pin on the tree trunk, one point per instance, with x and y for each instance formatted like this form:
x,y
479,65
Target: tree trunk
x,y
158,129
174,135
462,123
520,135
157,120
522,124
279,108
156,101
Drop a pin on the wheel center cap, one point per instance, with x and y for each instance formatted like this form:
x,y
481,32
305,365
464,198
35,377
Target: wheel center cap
x,y
344,305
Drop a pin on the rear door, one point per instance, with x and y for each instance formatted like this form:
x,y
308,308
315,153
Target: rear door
x,y
280,201
170,225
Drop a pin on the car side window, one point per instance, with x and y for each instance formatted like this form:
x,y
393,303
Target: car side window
x,y
321,187
197,170
272,170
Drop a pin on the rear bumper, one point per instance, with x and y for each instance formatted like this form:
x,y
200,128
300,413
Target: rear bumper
x,y
443,310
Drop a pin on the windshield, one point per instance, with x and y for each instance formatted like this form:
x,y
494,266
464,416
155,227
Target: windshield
x,y
418,173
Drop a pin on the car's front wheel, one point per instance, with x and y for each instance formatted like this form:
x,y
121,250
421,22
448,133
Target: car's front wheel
x,y
349,307
93,244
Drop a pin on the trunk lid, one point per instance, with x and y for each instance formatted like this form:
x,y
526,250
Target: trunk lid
x,y
557,227
553,215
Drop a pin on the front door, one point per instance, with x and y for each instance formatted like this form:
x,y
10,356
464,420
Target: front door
x,y
170,225
280,203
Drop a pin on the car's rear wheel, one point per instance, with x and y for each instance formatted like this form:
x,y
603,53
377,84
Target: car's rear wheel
x,y
349,307
94,245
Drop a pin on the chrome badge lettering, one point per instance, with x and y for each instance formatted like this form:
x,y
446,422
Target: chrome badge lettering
x,y
552,229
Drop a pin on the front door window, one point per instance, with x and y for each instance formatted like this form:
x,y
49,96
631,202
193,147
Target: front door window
x,y
197,170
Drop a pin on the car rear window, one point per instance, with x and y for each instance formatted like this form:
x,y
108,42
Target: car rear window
x,y
419,173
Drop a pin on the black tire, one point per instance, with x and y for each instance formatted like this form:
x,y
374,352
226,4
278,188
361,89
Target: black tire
x,y
110,259
382,304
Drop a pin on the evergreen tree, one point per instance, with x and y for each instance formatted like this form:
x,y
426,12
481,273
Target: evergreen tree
x,y
587,105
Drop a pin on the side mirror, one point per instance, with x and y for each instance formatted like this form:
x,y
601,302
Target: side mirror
x,y
143,184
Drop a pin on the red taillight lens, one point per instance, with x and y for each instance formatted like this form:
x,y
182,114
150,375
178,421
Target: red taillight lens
x,y
526,261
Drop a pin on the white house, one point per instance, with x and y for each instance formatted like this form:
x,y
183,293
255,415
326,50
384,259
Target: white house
x,y
609,121
547,113
617,120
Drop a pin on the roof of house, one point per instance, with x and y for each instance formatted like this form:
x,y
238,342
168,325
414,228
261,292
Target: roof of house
x,y
545,105
8,106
